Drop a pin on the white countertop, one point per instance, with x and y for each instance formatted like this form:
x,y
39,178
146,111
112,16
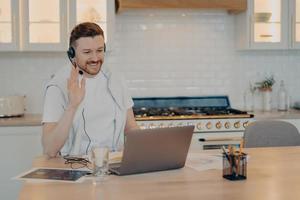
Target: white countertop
x,y
274,114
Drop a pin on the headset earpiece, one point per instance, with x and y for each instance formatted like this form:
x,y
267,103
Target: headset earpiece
x,y
71,56
71,52
104,47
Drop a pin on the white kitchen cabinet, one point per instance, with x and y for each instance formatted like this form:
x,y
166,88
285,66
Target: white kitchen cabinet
x,y
9,25
101,12
264,25
269,24
294,16
42,25
18,146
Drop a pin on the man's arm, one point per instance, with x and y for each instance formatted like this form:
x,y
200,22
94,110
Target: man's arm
x,y
130,121
55,134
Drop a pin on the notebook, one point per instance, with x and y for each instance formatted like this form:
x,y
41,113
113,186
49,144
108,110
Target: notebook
x,y
149,150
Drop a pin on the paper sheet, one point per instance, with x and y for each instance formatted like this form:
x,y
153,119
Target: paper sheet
x,y
202,162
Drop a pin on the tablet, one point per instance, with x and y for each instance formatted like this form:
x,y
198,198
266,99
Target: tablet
x,y
54,174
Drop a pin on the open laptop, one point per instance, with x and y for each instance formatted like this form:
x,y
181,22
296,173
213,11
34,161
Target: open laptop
x,y
151,150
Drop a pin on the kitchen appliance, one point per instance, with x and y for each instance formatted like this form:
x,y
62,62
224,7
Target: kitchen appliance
x,y
12,106
216,123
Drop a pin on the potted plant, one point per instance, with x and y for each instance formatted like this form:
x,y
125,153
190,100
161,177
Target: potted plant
x,y
266,84
265,87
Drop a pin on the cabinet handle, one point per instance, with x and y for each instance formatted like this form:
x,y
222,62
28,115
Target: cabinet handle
x,y
14,27
252,39
293,24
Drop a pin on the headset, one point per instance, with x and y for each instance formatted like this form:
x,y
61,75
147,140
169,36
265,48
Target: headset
x,y
71,55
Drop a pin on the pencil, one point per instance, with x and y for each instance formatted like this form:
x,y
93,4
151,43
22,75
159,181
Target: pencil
x,y
239,156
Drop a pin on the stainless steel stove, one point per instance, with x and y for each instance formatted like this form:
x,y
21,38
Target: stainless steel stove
x,y
216,123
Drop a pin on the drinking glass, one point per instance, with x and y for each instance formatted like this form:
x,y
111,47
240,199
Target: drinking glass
x,y
100,159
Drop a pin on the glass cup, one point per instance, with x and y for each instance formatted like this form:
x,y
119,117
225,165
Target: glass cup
x,y
100,159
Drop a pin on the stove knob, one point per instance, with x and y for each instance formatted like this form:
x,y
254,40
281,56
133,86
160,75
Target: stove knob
x,y
237,124
199,126
245,124
218,125
208,125
151,126
227,125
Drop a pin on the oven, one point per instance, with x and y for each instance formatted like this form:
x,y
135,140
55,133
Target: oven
x,y
216,123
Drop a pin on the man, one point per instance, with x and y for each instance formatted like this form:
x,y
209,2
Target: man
x,y
86,104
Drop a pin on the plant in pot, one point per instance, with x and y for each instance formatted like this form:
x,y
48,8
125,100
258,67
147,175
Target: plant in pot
x,y
265,87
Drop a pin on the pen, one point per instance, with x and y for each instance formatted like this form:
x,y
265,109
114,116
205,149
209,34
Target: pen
x,y
226,154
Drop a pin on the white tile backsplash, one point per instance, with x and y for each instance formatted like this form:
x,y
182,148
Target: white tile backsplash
x,y
165,53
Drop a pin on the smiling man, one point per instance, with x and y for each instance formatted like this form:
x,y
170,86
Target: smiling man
x,y
86,104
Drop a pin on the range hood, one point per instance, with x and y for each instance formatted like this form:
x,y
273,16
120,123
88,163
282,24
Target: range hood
x,y
232,6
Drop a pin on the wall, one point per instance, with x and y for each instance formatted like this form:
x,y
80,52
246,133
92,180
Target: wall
x,y
166,53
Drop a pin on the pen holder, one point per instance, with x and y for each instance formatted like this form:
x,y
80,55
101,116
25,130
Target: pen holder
x,y
235,166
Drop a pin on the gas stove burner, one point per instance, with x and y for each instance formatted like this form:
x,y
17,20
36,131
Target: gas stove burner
x,y
220,111
185,107
184,111
147,112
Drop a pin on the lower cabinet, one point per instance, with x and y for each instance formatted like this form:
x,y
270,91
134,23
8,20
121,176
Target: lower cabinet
x,y
18,146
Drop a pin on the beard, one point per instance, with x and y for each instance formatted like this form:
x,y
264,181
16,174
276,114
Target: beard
x,y
92,68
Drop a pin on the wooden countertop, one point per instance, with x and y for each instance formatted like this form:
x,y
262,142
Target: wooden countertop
x,y
26,120
272,173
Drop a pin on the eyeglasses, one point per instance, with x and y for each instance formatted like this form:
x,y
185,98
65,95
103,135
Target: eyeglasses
x,y
76,162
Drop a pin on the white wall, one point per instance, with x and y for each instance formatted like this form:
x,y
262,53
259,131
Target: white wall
x,y
165,53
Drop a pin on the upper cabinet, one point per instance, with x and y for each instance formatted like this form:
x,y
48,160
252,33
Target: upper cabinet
x,y
233,6
269,24
9,25
295,23
43,25
264,25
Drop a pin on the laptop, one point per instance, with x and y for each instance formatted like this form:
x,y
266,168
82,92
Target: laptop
x,y
149,150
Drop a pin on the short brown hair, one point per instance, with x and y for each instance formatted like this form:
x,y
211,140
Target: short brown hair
x,y
86,29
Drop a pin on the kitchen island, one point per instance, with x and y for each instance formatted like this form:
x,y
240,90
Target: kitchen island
x,y
273,173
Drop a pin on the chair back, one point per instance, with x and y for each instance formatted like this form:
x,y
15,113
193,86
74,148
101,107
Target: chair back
x,y
271,134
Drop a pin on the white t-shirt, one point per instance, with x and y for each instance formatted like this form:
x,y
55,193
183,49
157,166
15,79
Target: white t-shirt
x,y
95,117
99,112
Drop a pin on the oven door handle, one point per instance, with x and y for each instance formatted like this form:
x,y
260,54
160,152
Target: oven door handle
x,y
219,139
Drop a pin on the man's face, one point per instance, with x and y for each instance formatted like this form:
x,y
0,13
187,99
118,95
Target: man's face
x,y
90,54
